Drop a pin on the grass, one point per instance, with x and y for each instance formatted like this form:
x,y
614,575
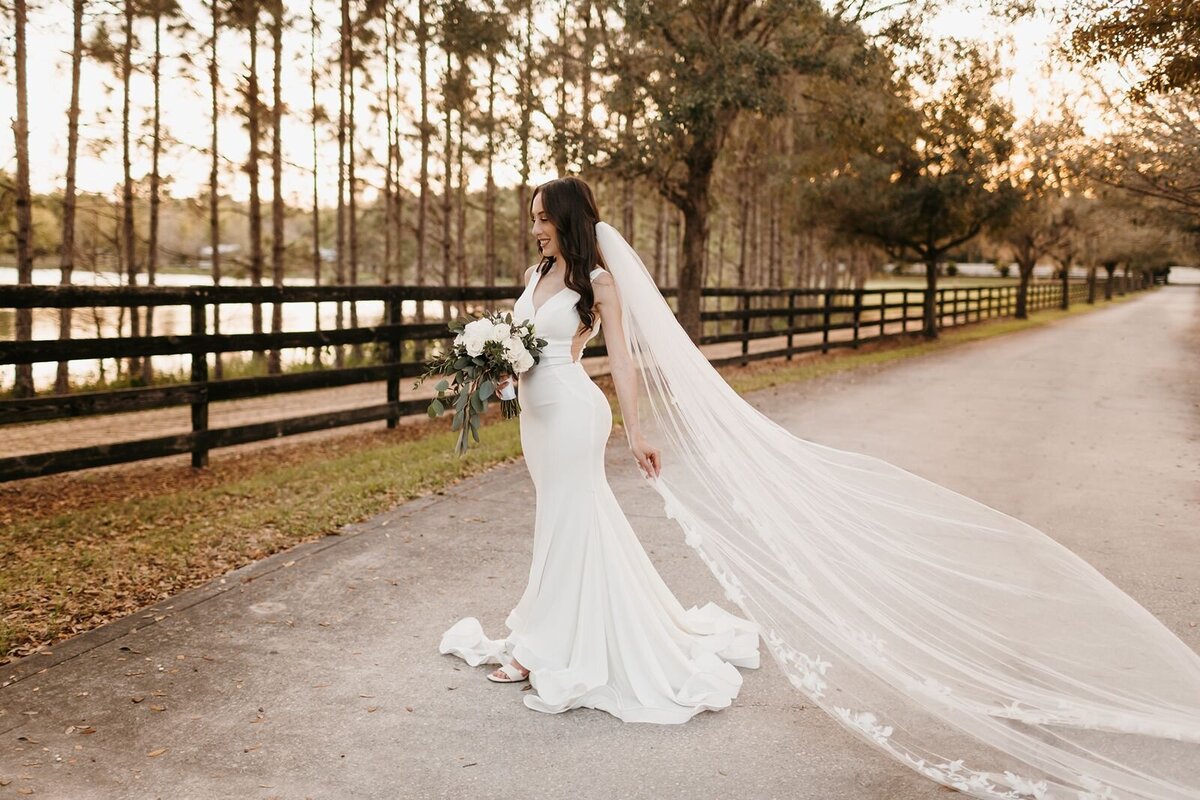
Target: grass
x,y
87,548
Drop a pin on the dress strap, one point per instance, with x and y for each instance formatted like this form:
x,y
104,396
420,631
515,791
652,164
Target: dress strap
x,y
597,269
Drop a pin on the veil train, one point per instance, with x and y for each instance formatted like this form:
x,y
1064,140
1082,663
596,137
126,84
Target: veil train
x,y
963,642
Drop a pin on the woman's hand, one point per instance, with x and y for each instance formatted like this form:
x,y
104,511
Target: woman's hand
x,y
503,380
648,458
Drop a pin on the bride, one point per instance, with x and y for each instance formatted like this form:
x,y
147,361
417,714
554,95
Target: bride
x,y
966,644
596,626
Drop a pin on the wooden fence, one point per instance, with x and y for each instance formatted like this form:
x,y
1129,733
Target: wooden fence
x,y
742,315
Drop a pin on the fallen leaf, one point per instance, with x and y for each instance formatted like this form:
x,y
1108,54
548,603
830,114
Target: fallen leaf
x,y
156,753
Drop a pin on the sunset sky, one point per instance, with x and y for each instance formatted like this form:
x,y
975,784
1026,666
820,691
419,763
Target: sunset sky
x,y
1039,79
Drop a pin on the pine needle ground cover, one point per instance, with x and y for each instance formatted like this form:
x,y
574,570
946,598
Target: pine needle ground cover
x,y
83,549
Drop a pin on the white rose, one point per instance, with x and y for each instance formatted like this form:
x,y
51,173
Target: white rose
x,y
458,340
501,331
514,345
523,362
478,327
474,342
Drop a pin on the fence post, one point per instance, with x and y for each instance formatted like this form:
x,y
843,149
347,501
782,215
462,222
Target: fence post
x,y
745,307
883,309
858,302
791,322
392,316
200,377
825,321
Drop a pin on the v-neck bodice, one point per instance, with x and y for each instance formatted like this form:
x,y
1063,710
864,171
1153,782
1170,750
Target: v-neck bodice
x,y
556,320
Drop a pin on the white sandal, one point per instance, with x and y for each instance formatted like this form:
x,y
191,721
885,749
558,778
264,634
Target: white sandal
x,y
514,674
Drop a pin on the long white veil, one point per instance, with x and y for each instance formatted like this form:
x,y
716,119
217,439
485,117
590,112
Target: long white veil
x,y
965,643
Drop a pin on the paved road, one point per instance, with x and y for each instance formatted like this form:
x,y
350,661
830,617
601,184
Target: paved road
x,y
315,673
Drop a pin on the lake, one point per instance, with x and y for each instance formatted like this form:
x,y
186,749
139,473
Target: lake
x,y
89,323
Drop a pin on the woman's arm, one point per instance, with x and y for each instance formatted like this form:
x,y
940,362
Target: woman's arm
x,y
623,371
505,378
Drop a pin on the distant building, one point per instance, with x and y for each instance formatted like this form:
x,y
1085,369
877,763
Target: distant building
x,y
204,254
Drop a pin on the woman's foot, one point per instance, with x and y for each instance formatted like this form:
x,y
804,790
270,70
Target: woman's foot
x,y
499,674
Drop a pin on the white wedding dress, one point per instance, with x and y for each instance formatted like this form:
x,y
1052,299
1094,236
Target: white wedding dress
x,y
959,640
596,625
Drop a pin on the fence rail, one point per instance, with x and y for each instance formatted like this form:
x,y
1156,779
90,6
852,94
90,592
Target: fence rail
x,y
742,316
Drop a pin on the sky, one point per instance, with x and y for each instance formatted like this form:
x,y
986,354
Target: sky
x,y
1039,79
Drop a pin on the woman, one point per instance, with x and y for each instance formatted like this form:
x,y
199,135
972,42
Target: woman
x,y
961,641
596,626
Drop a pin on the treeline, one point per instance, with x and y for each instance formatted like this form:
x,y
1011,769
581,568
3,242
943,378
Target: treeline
x,y
759,143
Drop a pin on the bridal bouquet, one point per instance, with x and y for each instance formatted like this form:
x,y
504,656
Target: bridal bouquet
x,y
483,349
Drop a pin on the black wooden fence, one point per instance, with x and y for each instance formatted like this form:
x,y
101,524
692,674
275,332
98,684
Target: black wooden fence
x,y
742,315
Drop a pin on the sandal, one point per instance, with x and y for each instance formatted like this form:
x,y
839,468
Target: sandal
x,y
513,673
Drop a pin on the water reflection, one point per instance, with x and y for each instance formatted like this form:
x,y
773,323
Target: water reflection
x,y
88,323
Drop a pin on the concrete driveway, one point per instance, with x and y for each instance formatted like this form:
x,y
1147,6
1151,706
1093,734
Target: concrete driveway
x,y
315,673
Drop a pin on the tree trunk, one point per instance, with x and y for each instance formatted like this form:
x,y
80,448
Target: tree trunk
x,y
460,205
389,200
66,252
214,186
691,269
423,196
660,223
628,210
339,355
397,221
773,241
252,170
586,137
448,188
127,240
1025,264
929,309
352,192
524,134
155,181
1065,301
721,251
561,126
743,240
275,363
316,206
489,225
23,386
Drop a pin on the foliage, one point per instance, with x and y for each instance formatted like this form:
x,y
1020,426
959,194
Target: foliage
x,y
933,183
1160,36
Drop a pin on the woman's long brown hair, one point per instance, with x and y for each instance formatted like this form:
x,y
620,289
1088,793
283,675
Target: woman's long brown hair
x,y
571,209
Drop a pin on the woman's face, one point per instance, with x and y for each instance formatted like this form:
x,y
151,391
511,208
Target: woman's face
x,y
543,229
